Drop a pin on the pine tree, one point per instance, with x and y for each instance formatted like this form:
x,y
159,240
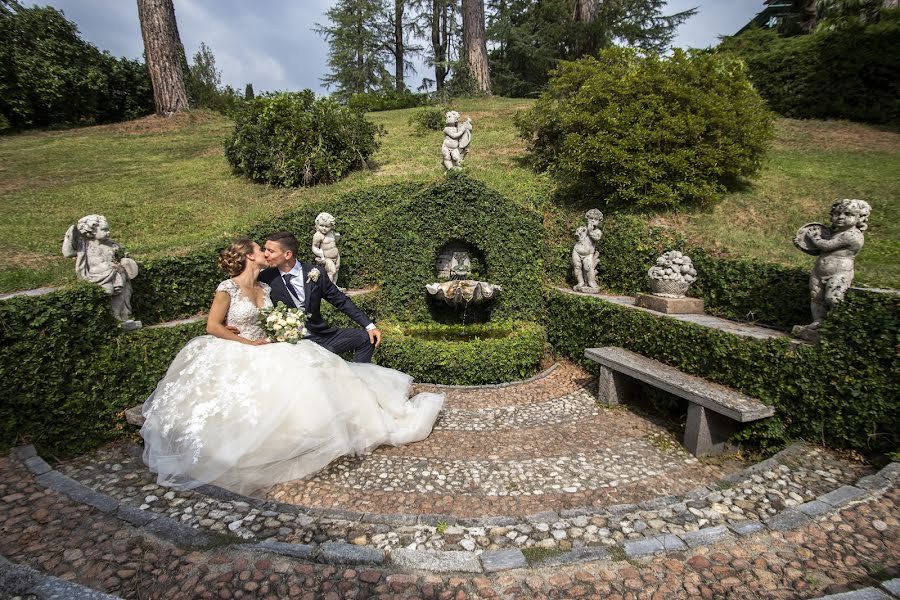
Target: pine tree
x,y
358,47
165,55
438,22
475,45
248,92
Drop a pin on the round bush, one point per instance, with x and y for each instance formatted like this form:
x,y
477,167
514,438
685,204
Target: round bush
x,y
648,131
294,139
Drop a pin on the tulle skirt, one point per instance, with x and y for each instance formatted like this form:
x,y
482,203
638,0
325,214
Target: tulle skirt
x,y
246,417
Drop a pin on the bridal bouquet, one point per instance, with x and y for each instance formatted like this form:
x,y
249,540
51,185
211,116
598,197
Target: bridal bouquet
x,y
283,324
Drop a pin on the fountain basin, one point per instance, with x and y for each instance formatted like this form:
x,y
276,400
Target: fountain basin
x,y
463,354
459,292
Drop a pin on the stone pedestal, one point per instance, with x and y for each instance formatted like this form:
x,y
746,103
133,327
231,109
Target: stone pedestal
x,y
670,306
615,388
804,332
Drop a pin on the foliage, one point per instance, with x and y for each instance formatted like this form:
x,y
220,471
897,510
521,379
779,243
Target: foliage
x,y
68,370
648,131
514,356
460,208
430,118
386,100
852,72
530,38
248,92
293,139
358,47
203,83
735,288
841,392
50,76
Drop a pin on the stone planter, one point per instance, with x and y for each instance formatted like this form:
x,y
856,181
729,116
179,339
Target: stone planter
x,y
669,288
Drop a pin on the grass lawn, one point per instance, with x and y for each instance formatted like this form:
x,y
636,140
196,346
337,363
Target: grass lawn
x,y
166,188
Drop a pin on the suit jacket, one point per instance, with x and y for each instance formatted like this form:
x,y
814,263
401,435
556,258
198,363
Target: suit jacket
x,y
313,293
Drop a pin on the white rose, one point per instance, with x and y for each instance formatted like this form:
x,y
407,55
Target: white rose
x,y
313,275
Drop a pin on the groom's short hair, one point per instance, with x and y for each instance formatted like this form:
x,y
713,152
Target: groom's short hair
x,y
286,240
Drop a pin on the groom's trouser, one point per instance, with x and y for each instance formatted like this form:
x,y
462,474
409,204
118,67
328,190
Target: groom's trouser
x,y
344,340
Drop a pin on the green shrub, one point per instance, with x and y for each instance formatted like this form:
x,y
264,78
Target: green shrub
x,y
67,370
500,352
50,76
842,391
850,73
648,131
393,100
294,139
430,118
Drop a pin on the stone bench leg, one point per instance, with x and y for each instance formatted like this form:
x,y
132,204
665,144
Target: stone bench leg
x,y
707,432
614,387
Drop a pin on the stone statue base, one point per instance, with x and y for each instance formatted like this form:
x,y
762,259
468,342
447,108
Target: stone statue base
x,y
806,333
670,306
584,289
131,325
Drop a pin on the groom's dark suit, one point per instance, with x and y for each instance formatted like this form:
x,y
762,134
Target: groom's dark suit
x,y
331,338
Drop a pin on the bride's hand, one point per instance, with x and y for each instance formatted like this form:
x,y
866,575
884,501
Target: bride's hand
x,y
258,342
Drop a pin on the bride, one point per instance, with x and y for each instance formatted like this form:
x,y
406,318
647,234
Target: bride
x,y
242,413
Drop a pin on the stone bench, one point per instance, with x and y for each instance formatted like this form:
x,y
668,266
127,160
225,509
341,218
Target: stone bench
x,y
714,411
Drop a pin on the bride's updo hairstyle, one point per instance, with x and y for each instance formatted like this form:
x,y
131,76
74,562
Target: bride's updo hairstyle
x,y
233,259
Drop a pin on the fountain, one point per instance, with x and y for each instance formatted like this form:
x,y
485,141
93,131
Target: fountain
x,y
453,264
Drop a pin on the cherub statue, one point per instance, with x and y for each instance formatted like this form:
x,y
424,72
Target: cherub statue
x,y
836,249
457,137
585,255
100,260
324,245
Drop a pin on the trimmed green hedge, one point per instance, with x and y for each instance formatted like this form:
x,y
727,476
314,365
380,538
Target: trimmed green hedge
x,y
474,362
67,370
747,290
849,73
842,391
461,208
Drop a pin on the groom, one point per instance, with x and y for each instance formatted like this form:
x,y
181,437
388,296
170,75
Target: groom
x,y
297,285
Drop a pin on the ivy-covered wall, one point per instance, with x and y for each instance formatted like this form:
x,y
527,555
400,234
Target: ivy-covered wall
x,y
458,207
842,391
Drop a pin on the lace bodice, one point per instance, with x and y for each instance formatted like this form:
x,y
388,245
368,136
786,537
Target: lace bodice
x,y
242,312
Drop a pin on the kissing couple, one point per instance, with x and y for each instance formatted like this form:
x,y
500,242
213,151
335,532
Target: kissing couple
x,y
242,413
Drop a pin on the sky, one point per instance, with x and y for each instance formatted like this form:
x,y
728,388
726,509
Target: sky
x,y
271,43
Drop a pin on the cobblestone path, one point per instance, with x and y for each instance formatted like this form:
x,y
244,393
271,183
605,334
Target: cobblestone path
x,y
60,537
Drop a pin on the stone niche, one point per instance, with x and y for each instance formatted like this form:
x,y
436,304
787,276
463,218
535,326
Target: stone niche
x,y
459,260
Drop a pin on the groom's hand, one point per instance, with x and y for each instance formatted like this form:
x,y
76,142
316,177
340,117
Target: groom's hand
x,y
374,337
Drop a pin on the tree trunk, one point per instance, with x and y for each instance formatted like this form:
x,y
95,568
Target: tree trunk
x,y
164,54
439,34
399,57
807,15
585,11
475,44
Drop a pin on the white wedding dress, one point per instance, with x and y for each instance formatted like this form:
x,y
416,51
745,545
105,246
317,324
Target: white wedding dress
x,y
246,417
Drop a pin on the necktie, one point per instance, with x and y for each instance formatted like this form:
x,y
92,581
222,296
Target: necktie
x,y
287,282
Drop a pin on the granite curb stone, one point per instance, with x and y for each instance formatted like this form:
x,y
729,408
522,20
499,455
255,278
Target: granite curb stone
x,y
77,491
892,585
37,465
23,453
22,580
787,519
576,555
653,545
705,537
304,551
868,593
843,495
815,508
178,534
135,516
503,560
349,554
436,561
745,528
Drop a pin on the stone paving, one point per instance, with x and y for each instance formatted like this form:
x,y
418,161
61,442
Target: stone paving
x,y
528,490
45,532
